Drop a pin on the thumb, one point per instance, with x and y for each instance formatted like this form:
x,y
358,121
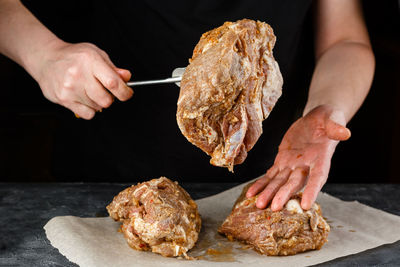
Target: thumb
x,y
336,131
124,74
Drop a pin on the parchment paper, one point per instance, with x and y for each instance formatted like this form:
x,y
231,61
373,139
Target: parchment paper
x,y
96,241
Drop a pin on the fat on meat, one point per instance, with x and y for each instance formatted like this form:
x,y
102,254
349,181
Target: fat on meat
x,y
287,232
230,86
158,216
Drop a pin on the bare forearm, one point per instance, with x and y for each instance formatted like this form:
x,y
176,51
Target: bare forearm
x,y
80,77
22,37
342,78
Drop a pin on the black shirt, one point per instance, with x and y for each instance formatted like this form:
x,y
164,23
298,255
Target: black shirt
x,y
140,139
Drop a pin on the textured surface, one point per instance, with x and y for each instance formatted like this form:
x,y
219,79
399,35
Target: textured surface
x,y
158,216
287,232
230,86
26,208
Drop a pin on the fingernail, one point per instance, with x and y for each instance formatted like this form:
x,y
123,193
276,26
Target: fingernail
x,y
274,207
348,132
304,206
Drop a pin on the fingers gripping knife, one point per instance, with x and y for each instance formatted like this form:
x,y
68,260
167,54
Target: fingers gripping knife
x,y
176,78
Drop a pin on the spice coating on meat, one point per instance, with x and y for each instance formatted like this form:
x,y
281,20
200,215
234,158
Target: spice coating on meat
x,y
289,231
230,86
157,216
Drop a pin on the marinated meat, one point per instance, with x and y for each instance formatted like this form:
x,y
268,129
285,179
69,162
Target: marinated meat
x,y
157,216
230,86
286,232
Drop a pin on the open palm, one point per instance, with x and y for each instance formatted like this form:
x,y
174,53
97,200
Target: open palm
x,y
303,159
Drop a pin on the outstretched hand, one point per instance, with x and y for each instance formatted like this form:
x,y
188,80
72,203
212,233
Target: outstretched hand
x,y
82,78
303,159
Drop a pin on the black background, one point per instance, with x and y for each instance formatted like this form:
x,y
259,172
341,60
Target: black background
x,y
29,122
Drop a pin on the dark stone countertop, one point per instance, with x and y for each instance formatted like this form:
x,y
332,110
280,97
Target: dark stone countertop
x,y
26,208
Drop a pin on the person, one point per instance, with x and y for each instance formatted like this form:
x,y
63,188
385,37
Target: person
x,y
140,138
